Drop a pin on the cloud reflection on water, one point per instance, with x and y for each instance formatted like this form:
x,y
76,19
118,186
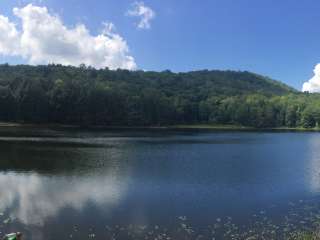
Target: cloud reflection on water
x,y
313,171
39,177
32,197
38,180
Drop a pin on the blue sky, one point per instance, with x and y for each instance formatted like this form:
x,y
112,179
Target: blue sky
x,y
279,39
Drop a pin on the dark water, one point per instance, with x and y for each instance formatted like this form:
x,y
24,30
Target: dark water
x,y
58,184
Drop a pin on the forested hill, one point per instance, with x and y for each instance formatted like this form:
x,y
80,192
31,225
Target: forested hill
x,y
86,96
201,83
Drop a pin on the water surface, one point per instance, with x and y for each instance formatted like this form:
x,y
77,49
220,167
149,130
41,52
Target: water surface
x,y
103,184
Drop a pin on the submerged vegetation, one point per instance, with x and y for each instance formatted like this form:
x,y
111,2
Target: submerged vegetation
x,y
301,222
86,96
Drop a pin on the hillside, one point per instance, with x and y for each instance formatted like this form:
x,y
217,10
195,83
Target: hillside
x,y
204,83
86,96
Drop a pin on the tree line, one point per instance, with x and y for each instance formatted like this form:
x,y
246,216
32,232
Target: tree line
x,y
86,96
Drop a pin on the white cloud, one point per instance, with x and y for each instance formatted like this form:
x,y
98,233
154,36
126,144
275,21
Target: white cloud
x,y
9,37
44,38
108,27
145,13
313,85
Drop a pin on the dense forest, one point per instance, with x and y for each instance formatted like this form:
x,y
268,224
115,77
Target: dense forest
x,y
86,96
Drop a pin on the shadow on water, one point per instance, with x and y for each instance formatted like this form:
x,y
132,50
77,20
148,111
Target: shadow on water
x,y
53,157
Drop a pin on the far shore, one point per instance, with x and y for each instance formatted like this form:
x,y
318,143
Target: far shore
x,y
218,127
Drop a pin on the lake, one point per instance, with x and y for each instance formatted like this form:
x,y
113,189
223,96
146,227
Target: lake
x,y
157,184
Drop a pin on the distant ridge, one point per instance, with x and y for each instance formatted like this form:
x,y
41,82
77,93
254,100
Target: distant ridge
x,y
209,81
87,96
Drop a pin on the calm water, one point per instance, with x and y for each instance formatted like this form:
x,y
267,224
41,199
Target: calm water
x,y
161,184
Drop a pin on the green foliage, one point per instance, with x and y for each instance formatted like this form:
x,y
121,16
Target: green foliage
x,y
304,236
86,96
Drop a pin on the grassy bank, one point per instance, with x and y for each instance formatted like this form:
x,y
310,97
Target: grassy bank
x,y
212,126
239,127
305,236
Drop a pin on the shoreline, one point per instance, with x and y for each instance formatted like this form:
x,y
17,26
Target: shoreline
x,y
214,127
